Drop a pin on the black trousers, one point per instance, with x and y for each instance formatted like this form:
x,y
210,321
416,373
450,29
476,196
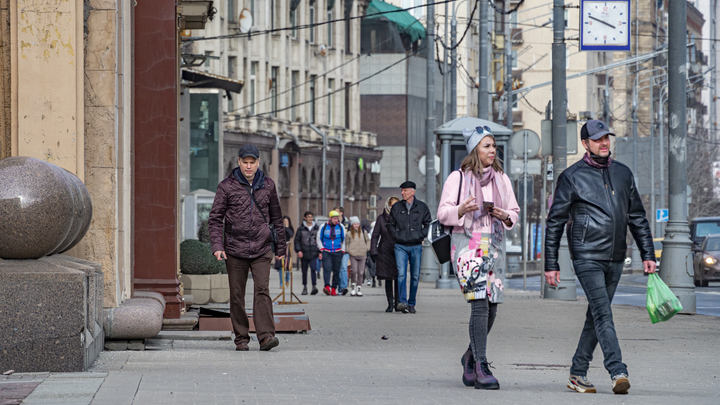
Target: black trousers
x,y
313,273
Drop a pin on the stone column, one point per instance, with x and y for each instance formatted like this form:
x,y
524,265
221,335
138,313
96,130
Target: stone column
x,y
47,53
155,147
294,201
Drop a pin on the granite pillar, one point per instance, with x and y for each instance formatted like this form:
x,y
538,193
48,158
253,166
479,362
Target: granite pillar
x,y
155,144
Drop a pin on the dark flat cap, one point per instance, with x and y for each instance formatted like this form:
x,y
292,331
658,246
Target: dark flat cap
x,y
249,151
408,184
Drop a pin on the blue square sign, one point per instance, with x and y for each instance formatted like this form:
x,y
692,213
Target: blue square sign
x,y
662,215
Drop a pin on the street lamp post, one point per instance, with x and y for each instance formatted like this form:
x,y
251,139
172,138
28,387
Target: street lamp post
x,y
677,274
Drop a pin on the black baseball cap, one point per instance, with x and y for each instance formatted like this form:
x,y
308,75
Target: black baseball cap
x,y
249,151
408,184
594,129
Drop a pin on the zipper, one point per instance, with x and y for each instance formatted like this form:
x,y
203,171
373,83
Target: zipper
x,y
612,212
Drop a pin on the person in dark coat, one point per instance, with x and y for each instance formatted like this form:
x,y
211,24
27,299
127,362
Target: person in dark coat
x,y
382,251
289,233
369,264
246,205
307,250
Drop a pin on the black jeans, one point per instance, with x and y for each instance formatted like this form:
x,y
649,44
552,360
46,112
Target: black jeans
x,y
599,280
331,262
313,269
482,318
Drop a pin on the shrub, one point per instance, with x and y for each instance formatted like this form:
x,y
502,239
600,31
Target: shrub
x,y
196,258
204,232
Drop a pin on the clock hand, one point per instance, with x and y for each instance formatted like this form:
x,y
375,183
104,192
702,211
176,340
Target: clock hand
x,y
602,22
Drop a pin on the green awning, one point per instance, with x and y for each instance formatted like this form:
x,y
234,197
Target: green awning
x,y
407,24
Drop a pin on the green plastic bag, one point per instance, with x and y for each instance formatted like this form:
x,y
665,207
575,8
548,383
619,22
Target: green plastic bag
x,y
661,303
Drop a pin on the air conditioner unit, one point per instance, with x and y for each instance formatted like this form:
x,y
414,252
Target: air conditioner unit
x,y
372,215
372,202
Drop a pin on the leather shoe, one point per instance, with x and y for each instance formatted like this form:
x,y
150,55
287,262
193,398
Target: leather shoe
x,y
269,343
411,309
242,347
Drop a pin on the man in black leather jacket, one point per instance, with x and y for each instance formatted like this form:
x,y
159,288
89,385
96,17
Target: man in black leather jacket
x,y
598,200
408,224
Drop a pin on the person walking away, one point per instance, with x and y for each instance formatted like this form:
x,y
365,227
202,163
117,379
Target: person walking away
x,y
479,204
358,245
598,200
409,223
307,250
343,284
369,264
289,232
382,252
331,243
245,208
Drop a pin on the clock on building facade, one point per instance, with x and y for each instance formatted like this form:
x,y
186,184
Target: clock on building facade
x,y
605,25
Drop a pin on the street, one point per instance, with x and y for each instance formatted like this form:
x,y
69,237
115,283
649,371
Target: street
x,y
632,291
344,359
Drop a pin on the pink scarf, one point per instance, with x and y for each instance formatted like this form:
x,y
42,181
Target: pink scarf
x,y
481,218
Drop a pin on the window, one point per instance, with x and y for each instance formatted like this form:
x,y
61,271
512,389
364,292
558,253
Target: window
x,y
347,37
513,20
232,68
331,87
312,23
330,29
272,14
251,7
253,85
231,15
274,90
293,23
311,116
514,59
347,105
208,61
294,94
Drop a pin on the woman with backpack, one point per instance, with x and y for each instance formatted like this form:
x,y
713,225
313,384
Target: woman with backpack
x,y
382,251
358,244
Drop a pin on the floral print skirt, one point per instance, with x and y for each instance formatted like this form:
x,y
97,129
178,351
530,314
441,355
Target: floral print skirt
x,y
479,264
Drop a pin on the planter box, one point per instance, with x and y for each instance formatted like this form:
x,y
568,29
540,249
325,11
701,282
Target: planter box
x,y
207,288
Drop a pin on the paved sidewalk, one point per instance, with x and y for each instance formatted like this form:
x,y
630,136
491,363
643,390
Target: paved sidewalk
x,y
344,359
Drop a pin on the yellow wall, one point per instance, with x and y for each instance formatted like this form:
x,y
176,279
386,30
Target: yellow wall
x,y
47,81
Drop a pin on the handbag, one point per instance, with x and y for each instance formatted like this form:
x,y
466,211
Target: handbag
x,y
273,233
439,235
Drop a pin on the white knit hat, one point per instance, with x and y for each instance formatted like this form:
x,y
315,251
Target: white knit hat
x,y
473,137
354,220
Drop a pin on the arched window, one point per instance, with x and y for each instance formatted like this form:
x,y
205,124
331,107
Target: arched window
x,y
348,183
331,189
303,180
313,182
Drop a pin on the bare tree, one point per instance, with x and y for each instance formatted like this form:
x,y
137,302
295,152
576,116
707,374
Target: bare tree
x,y
703,152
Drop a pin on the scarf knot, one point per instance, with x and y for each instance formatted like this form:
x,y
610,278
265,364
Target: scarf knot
x,y
596,161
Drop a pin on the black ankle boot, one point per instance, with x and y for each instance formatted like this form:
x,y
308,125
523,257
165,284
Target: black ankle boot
x,y
391,305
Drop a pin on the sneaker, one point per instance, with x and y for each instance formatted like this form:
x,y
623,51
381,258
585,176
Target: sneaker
x,y
621,384
314,291
580,384
333,293
359,291
485,379
345,291
304,292
242,347
327,290
368,282
411,309
401,308
353,291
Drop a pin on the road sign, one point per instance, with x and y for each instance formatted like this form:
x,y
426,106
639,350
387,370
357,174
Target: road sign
x,y
517,143
662,215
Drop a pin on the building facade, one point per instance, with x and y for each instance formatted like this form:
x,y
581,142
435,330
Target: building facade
x,y
300,86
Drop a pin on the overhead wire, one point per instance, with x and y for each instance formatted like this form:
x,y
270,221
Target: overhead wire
x,y
332,92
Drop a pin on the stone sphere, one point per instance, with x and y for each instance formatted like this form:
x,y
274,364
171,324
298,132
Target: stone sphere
x,y
43,209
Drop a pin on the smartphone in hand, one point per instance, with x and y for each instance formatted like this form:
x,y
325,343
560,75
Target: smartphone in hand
x,y
488,206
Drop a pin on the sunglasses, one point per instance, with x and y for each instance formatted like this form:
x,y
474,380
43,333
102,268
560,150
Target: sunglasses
x,y
483,129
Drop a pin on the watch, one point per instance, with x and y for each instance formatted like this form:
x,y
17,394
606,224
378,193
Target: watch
x,y
605,25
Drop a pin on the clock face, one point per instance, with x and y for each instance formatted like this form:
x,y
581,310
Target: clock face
x,y
604,25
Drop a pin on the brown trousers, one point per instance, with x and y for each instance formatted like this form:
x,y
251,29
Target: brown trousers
x,y
262,303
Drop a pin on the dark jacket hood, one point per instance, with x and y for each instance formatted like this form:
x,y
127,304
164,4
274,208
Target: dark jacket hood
x,y
258,181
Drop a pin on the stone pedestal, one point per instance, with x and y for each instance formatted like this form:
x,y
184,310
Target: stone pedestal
x,y
51,311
